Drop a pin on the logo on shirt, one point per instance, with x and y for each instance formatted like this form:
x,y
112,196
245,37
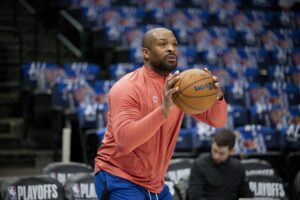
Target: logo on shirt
x,y
155,99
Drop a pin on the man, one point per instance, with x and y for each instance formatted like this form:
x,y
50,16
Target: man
x,y
218,176
143,124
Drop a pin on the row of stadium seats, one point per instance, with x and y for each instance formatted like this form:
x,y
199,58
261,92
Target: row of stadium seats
x,y
219,12
74,181
269,112
60,181
264,181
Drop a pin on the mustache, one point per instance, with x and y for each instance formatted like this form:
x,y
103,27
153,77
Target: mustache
x,y
171,54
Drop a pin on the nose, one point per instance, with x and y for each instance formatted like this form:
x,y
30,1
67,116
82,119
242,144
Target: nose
x,y
171,48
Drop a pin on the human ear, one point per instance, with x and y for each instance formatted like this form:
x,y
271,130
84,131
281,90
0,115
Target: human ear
x,y
145,53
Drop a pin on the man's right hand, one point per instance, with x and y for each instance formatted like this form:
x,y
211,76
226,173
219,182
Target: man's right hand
x,y
169,90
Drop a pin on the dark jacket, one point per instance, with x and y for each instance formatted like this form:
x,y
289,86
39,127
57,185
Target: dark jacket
x,y
226,181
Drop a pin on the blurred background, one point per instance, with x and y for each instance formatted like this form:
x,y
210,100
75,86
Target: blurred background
x,y
59,58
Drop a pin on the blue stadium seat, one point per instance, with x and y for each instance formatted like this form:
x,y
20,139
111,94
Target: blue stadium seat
x,y
256,139
120,69
184,140
235,94
39,75
89,71
238,114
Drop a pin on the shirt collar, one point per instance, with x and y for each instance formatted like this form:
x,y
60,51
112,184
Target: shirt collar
x,y
149,72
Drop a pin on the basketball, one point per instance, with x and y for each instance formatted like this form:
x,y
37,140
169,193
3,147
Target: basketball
x,y
197,92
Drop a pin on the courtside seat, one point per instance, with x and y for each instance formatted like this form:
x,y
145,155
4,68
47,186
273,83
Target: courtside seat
x,y
257,167
173,189
296,187
61,171
178,172
80,187
266,186
38,187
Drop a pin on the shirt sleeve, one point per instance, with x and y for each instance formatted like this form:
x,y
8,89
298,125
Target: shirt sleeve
x,y
196,183
216,116
129,127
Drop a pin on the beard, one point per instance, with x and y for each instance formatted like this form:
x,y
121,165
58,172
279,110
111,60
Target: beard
x,y
164,66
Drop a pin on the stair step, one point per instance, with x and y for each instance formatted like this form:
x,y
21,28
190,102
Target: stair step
x,y
8,140
9,97
10,110
6,86
24,157
13,126
10,74
19,170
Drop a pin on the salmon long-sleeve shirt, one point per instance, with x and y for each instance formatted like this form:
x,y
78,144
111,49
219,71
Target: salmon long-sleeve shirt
x,y
139,139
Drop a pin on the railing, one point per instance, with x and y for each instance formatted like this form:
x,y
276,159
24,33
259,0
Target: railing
x,y
80,51
33,13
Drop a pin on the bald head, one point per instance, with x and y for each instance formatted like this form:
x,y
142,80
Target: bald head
x,y
160,50
150,35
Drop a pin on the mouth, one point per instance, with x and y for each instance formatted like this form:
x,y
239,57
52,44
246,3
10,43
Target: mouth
x,y
171,58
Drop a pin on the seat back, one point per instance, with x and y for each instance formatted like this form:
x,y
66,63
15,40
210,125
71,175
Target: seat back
x,y
297,187
257,167
61,171
80,187
266,186
173,189
178,172
32,187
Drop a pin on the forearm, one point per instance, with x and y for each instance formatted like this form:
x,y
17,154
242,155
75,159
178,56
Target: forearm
x,y
216,116
132,132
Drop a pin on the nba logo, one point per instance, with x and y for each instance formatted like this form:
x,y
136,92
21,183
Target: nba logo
x,y
155,99
76,190
12,192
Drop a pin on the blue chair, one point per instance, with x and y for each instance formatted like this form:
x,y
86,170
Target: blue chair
x,y
293,74
89,71
295,37
238,114
184,140
258,138
277,73
251,74
39,75
120,69
291,135
102,87
236,94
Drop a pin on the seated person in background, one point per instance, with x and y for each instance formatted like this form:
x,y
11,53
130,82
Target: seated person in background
x,y
218,176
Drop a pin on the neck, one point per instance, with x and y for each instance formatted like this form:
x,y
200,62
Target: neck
x,y
157,71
